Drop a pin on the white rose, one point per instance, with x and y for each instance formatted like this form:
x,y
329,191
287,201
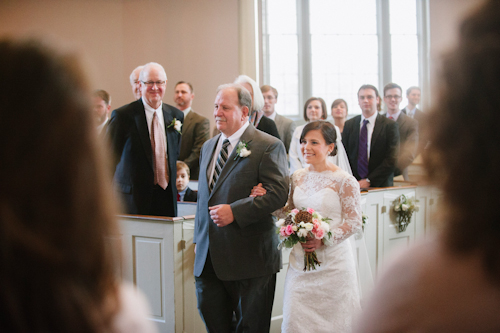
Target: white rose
x,y
244,152
309,226
404,207
325,226
294,228
302,233
302,224
177,125
280,223
396,208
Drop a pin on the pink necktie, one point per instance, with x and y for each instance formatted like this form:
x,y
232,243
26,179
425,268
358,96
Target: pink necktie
x,y
159,153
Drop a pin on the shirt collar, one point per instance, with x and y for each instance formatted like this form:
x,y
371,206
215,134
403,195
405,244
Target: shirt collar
x,y
186,111
371,119
233,139
272,116
148,108
394,116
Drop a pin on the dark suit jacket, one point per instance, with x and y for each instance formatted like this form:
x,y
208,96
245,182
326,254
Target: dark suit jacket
x,y
408,144
130,141
384,149
286,127
190,195
268,126
195,131
246,248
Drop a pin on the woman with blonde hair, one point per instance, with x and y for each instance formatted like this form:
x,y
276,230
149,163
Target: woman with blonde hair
x,y
56,207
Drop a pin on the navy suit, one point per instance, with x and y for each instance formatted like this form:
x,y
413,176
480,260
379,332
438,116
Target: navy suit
x,y
133,173
384,149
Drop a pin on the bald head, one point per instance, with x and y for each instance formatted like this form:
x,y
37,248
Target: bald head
x,y
134,82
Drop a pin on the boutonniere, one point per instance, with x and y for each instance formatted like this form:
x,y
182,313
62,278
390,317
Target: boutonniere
x,y
177,124
242,150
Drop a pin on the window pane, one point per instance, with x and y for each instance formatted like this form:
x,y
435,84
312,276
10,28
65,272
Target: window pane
x,y
341,17
404,44
405,63
403,17
344,46
284,72
281,17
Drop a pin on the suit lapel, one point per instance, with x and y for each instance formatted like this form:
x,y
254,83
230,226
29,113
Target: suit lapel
x,y
171,137
205,161
233,160
355,134
142,128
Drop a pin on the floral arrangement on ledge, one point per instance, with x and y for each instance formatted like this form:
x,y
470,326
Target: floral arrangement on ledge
x,y
300,225
404,208
364,219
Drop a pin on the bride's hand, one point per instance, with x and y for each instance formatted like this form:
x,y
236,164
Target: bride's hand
x,y
311,244
258,191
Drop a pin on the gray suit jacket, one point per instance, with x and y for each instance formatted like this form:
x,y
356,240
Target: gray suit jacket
x,y
195,131
286,127
246,248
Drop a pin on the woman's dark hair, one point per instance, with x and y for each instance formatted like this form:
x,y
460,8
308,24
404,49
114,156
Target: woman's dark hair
x,y
56,206
337,102
324,114
327,130
467,161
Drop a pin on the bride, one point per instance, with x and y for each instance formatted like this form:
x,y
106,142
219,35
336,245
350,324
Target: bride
x,y
325,299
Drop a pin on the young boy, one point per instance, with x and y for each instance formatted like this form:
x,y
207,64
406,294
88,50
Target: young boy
x,y
182,181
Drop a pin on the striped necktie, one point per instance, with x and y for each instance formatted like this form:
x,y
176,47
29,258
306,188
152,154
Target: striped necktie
x,y
221,161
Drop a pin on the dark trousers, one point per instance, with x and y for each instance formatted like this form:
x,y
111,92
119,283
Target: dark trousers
x,y
162,203
251,300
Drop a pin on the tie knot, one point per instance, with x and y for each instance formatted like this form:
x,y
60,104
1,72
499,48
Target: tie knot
x,y
366,121
225,143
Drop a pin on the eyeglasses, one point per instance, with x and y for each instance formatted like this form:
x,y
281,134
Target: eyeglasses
x,y
392,96
152,83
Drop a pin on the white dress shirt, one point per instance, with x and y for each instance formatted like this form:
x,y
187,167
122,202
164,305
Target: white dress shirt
x,y
369,128
149,118
394,116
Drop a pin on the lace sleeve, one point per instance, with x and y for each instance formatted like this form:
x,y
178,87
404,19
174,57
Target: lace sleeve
x,y
350,200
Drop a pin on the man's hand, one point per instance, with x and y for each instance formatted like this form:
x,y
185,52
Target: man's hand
x,y
222,215
363,183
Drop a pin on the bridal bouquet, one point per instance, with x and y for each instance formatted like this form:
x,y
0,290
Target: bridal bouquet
x,y
300,224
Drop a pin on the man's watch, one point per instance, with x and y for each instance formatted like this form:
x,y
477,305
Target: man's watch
x,y
368,180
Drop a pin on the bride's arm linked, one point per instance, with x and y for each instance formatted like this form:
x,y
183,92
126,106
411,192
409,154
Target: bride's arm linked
x,y
350,201
259,190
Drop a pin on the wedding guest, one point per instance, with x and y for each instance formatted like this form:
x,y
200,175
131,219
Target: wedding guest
x,y
339,113
101,103
57,212
184,193
450,282
315,109
135,82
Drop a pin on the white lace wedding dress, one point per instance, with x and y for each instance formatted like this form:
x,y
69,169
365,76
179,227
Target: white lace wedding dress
x,y
325,299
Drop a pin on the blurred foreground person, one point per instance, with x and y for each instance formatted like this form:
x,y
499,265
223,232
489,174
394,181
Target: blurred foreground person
x,y
452,283
56,207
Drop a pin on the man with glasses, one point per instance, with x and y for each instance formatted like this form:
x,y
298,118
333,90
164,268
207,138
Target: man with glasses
x,y
371,142
408,129
134,82
145,138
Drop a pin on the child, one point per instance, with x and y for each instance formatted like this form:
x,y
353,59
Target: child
x,y
182,181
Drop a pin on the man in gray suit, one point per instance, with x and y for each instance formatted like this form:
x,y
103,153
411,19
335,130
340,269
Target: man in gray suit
x,y
236,250
286,126
408,129
195,130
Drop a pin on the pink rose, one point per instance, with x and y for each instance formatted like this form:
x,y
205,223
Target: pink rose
x,y
310,210
295,211
316,221
316,225
289,230
282,232
319,234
